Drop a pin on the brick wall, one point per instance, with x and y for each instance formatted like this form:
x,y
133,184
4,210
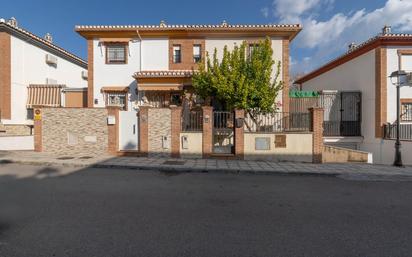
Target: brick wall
x,y
159,125
74,131
186,47
5,75
317,126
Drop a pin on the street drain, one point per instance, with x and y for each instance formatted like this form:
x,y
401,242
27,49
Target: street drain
x,y
174,162
65,158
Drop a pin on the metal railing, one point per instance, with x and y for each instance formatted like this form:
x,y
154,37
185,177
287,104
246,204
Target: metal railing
x,y
192,120
278,122
222,120
404,134
341,128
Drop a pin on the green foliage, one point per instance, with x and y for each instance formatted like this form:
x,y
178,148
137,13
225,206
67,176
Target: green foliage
x,y
241,80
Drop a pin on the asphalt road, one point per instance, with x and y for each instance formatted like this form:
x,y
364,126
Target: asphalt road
x,y
118,213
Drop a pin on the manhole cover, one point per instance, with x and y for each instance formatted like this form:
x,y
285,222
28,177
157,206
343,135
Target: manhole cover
x,y
85,157
65,158
174,162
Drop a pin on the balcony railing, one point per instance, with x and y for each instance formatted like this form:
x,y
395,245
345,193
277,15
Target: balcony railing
x,y
404,134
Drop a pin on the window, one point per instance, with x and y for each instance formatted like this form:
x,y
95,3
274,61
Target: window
x,y
30,114
406,111
175,99
116,99
116,54
177,54
197,56
252,48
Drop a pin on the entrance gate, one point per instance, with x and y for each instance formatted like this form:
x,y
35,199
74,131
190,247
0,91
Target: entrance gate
x,y
342,113
223,132
128,131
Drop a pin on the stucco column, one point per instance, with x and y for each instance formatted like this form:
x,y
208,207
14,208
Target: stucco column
x,y
239,134
144,130
317,130
176,124
207,131
38,141
113,131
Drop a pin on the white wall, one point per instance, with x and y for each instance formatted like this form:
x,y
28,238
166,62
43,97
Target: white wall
x,y
355,75
28,66
406,92
14,143
155,54
114,74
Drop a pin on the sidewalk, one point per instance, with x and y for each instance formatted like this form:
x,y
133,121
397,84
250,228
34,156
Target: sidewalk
x,y
203,165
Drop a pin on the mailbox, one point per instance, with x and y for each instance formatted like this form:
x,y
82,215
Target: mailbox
x,y
239,122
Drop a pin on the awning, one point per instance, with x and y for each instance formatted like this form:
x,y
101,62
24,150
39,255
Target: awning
x,y
160,87
117,89
44,95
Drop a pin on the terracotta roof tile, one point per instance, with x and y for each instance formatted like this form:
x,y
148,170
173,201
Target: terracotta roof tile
x,y
163,74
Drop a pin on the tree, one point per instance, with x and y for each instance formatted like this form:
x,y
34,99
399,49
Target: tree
x,y
242,79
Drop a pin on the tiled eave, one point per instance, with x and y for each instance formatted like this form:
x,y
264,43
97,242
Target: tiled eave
x,y
164,74
281,30
380,40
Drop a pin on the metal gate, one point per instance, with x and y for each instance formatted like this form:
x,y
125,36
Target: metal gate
x,y
342,113
223,132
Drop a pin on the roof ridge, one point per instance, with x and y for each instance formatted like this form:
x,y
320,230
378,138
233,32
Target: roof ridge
x,y
43,41
171,26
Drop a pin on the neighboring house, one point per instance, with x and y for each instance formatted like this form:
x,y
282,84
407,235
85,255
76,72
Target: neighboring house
x,y
35,72
134,65
366,69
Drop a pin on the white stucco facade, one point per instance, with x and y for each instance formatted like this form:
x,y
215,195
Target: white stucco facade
x,y
28,66
114,75
358,74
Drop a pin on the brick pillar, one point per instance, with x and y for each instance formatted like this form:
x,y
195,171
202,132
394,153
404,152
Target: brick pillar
x,y
113,131
317,130
207,131
239,135
144,130
176,113
38,141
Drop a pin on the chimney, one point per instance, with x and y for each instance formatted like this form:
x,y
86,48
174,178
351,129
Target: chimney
x,y
352,46
162,24
386,30
224,23
48,37
12,22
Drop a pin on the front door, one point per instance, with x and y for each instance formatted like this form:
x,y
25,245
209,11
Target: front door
x,y
128,131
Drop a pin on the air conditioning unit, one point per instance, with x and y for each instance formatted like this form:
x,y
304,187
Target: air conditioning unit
x,y
50,81
51,59
85,74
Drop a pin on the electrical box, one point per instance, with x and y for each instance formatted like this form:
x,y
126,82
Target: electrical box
x,y
165,142
185,142
111,120
239,122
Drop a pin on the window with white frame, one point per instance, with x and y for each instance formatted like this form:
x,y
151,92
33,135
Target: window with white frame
x,y
252,48
116,99
116,54
177,54
406,111
197,56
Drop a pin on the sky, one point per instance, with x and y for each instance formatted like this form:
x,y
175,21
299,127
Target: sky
x,y
329,25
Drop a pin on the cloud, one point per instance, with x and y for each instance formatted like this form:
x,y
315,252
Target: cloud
x,y
329,36
265,12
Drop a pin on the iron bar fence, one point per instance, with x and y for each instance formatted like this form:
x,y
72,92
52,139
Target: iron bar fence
x,y
404,134
278,122
192,120
222,120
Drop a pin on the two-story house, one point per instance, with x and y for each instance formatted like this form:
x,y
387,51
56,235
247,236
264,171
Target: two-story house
x,y
366,68
35,72
133,65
